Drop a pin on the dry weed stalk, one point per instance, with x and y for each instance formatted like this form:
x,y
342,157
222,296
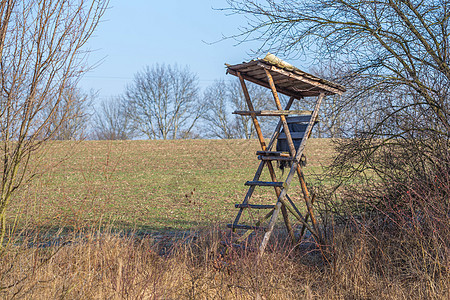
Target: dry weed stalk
x,y
99,265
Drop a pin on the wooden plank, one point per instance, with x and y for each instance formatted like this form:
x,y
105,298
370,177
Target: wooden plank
x,y
325,88
248,69
249,64
254,206
291,93
272,112
265,183
295,135
283,81
298,119
256,73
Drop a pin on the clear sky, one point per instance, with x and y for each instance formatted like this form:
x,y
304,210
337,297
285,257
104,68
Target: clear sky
x,y
136,33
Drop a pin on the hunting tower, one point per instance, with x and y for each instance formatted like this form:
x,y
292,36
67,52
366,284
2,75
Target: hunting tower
x,y
291,134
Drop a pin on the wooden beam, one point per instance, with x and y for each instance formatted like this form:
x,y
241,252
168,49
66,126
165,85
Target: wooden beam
x,y
272,112
251,108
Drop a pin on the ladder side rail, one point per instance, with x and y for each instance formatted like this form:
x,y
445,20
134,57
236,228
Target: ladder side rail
x,y
250,191
261,141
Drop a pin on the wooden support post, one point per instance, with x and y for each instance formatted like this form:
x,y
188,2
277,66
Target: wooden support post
x,y
302,232
283,208
263,147
298,168
258,174
292,171
251,108
250,191
282,117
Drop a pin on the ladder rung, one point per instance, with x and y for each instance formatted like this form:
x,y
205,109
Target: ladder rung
x,y
262,157
247,227
265,183
272,112
273,153
255,206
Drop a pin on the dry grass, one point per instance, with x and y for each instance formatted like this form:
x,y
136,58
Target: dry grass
x,y
110,266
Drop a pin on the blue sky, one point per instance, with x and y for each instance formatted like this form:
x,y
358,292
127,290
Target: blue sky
x,y
136,33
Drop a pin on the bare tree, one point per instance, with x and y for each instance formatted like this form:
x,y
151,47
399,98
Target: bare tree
x,y
163,101
112,121
397,54
71,121
219,121
393,46
41,54
222,98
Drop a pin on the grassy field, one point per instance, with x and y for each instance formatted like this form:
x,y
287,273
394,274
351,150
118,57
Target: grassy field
x,y
101,191
148,185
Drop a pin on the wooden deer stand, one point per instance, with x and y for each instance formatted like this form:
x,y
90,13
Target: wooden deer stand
x,y
281,77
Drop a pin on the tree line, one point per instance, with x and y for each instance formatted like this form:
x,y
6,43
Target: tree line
x,y
166,102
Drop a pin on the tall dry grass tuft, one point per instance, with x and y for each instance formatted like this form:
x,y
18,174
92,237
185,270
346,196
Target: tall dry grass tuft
x,y
107,265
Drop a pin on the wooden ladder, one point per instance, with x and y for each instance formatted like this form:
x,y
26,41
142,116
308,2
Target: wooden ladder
x,y
266,155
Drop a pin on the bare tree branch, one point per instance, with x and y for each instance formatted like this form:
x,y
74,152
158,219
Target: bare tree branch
x,y
41,57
